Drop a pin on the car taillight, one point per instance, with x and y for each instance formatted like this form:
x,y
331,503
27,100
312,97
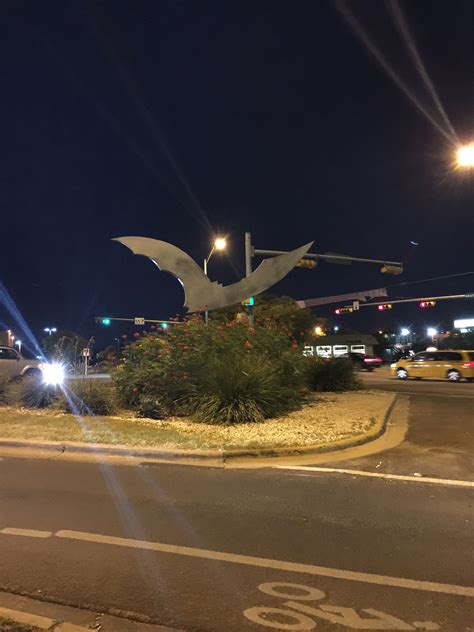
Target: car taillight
x,y
468,365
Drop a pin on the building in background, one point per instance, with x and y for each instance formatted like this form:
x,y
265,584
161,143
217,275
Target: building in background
x,y
6,338
340,344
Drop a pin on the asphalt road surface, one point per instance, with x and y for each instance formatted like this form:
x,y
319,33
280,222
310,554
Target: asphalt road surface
x,y
209,549
381,379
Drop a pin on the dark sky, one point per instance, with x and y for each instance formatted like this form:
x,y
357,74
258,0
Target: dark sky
x,y
278,121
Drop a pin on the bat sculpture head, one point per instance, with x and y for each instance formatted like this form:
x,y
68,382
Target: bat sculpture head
x,y
200,293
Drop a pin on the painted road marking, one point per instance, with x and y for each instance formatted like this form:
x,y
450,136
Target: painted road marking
x,y
29,533
263,562
397,477
343,616
249,560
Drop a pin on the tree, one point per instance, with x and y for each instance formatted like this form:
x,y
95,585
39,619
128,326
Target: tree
x,y
65,346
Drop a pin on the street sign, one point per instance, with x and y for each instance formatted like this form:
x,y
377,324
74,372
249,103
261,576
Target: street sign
x,y
355,305
86,352
138,320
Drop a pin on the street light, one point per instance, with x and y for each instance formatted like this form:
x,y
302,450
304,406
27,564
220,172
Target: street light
x,y
405,331
50,330
465,156
220,244
19,343
432,332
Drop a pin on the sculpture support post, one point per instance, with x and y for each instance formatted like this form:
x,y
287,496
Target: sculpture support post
x,y
248,270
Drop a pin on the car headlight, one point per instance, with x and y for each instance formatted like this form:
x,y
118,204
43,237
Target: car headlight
x,y
393,366
53,374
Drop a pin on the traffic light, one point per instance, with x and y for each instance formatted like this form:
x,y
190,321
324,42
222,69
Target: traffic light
x,y
308,264
425,304
164,325
343,310
384,307
103,321
391,269
249,302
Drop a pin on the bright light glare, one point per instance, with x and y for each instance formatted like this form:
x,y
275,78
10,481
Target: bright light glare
x,y
405,332
432,331
465,156
220,243
318,330
336,328
53,374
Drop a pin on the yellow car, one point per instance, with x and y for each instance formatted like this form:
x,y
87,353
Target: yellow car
x,y
453,365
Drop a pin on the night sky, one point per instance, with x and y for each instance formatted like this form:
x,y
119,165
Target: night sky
x,y
182,119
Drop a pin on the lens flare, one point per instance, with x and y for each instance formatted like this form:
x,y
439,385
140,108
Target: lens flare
x,y
53,374
465,156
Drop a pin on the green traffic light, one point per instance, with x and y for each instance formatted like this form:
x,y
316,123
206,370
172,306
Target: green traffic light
x,y
106,321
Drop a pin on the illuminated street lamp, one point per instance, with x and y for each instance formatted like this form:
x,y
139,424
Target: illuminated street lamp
x,y
465,156
18,343
405,331
432,332
50,330
220,244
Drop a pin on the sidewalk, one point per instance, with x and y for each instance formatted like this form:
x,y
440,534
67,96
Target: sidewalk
x,y
23,614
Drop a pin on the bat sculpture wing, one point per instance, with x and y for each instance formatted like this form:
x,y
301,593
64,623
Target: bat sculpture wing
x,y
200,293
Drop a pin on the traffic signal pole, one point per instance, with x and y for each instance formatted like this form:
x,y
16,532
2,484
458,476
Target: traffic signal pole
x,y
423,299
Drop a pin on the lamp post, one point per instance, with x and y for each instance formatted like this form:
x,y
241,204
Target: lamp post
x,y
18,343
220,244
50,330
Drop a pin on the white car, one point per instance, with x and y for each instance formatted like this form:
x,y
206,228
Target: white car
x,y
13,365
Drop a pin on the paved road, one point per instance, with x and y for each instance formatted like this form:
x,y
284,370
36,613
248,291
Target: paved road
x,y
381,379
204,549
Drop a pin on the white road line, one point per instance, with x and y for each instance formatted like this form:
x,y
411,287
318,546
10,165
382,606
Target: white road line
x,y
27,618
397,477
30,533
263,562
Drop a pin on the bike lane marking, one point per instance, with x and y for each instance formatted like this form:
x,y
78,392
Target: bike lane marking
x,y
249,560
299,616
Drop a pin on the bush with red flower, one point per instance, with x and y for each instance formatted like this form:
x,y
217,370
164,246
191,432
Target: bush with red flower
x,y
225,372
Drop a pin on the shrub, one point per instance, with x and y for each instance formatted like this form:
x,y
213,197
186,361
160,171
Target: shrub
x,y
237,389
336,374
204,371
32,392
89,397
5,391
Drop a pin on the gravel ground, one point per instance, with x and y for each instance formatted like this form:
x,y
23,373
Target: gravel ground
x,y
327,417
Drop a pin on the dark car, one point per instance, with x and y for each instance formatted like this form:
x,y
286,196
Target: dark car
x,y
363,361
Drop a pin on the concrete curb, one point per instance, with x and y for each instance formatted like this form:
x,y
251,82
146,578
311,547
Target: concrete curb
x,y
222,456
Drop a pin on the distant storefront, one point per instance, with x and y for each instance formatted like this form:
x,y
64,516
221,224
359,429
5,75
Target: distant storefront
x,y
341,344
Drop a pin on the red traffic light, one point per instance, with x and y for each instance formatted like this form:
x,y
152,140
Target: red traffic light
x,y
343,310
384,307
425,304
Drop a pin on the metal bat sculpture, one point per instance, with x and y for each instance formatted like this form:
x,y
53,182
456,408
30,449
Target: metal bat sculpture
x,y
201,294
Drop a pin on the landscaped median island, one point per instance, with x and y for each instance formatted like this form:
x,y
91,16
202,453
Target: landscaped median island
x,y
325,419
222,386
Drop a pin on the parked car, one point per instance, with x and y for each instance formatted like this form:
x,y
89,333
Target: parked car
x,y
453,365
13,365
363,361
